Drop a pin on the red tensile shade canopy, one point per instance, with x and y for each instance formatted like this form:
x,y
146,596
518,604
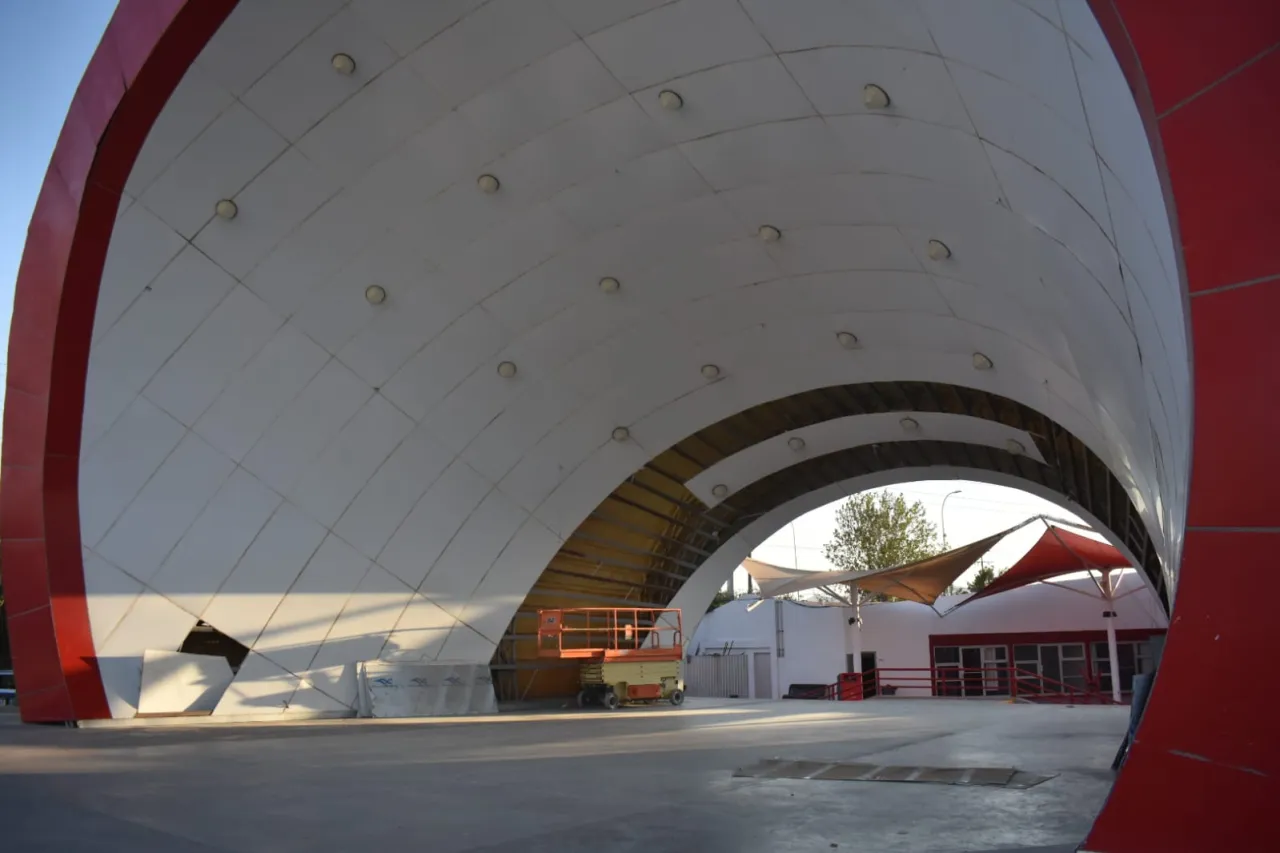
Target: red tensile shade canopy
x,y
1058,552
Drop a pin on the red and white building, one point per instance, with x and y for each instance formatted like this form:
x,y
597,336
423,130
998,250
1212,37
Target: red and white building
x,y
1056,631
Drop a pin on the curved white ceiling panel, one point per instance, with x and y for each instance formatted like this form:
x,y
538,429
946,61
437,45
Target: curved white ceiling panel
x,y
260,439
776,454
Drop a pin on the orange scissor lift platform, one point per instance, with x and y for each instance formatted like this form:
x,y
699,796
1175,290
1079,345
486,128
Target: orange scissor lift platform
x,y
629,655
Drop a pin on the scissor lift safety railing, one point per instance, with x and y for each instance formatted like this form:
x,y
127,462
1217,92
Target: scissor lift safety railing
x,y
611,633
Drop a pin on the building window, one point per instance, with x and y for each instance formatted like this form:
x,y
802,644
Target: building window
x,y
971,670
1134,659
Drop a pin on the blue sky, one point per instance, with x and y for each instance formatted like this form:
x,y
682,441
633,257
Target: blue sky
x,y
46,45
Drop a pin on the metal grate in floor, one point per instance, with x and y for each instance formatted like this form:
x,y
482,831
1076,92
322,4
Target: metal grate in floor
x,y
847,771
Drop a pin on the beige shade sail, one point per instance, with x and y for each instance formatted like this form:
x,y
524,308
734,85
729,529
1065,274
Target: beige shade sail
x,y
922,581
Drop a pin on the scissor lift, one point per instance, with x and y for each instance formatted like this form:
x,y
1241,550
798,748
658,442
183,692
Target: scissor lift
x,y
629,655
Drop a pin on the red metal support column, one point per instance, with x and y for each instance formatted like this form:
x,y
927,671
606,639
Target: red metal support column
x,y
145,51
1203,771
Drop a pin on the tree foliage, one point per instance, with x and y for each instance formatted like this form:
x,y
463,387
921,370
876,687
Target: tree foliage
x,y
721,598
981,578
877,530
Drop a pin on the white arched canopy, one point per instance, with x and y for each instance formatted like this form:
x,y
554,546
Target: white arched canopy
x,y
357,412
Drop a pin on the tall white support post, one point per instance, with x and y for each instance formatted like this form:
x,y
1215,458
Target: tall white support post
x,y
1109,598
857,629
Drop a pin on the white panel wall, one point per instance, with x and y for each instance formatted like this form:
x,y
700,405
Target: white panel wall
x,y
265,450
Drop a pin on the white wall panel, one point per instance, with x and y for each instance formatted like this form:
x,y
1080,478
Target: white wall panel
x,y
260,391
230,335
218,164
330,483
276,202
306,426
115,470
150,331
313,603
109,593
244,604
167,505
367,618
420,633
432,524
677,39
205,556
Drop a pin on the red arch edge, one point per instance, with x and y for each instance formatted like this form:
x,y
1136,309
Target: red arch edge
x,y
144,53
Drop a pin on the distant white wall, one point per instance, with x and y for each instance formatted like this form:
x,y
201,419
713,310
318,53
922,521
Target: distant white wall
x,y
814,644
817,639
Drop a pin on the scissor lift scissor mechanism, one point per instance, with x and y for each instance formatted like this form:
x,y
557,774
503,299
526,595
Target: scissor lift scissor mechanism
x,y
628,655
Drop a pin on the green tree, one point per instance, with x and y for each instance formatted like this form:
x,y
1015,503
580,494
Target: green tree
x,y
878,530
722,598
981,578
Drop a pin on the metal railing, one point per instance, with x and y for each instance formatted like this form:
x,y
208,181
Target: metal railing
x,y
611,632
958,682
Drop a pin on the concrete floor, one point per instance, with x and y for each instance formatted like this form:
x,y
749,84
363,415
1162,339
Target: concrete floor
x,y
653,780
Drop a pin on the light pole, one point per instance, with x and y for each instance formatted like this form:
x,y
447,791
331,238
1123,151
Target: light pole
x,y
942,515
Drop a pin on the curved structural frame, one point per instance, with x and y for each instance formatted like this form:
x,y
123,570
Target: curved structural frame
x,y
1190,782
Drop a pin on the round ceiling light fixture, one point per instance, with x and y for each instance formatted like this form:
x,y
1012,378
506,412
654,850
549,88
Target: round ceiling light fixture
x,y
768,233
796,443
982,362
874,97
910,424
343,64
375,294
848,340
621,433
938,250
720,490
488,184
1015,447
507,369
609,284
226,208
710,371
670,100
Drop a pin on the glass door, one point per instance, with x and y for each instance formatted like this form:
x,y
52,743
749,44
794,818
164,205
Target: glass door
x,y
1026,660
995,662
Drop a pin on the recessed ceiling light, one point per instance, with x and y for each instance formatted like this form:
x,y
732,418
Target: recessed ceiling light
x,y
769,234
796,443
1015,447
507,369
710,371
488,184
670,100
874,97
720,490
938,250
226,208
981,362
621,433
343,63
375,294
848,340
910,424
609,284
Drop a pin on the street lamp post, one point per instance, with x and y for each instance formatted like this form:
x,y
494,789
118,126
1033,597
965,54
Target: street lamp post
x,y
942,515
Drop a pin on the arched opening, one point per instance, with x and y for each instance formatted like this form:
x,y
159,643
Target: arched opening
x,y
630,266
